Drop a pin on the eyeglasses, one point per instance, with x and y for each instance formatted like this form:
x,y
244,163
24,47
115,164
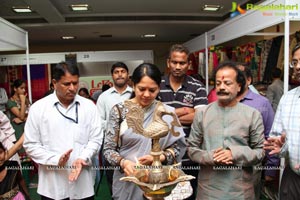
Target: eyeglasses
x,y
294,63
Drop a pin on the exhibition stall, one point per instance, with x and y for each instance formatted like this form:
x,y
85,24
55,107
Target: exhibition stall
x,y
13,38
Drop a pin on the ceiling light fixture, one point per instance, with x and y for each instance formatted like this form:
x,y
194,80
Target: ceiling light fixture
x,y
79,7
21,9
213,8
149,36
68,37
105,36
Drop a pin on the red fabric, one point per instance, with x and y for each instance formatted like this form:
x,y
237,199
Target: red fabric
x,y
193,57
38,87
39,80
212,96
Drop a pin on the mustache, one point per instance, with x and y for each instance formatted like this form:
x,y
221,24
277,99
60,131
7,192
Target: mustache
x,y
222,93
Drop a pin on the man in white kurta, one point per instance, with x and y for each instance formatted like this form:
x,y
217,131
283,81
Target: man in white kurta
x,y
62,134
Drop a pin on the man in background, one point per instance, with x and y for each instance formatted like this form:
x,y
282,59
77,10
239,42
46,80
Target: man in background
x,y
116,94
260,103
185,94
275,90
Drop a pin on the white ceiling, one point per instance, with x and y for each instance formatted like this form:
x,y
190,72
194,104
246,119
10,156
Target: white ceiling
x,y
125,20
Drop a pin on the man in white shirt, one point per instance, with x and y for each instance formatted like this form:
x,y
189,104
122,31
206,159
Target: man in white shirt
x,y
62,134
284,137
116,94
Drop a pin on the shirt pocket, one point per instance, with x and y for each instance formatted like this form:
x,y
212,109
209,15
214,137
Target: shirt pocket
x,y
82,134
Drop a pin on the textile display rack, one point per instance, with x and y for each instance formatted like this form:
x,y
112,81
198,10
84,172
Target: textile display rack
x,y
248,24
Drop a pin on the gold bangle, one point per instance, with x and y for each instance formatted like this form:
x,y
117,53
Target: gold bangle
x,y
171,151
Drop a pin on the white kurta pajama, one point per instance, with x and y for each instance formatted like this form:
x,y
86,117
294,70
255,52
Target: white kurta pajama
x,y
50,133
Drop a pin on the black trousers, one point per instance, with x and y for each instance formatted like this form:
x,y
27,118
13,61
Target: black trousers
x,y
46,198
290,185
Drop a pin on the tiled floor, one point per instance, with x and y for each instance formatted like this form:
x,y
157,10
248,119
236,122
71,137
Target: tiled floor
x,y
102,194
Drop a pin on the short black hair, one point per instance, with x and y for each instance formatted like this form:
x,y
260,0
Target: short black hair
x,y
178,48
105,87
276,73
240,77
62,68
118,64
247,71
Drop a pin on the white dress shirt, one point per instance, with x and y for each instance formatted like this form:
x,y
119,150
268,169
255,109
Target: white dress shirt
x,y
108,99
50,131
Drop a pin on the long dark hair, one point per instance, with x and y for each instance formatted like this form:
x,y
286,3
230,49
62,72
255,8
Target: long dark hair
x,y
17,83
145,69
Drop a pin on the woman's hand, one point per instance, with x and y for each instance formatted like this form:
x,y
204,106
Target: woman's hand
x,y
17,120
128,167
22,98
274,144
145,160
148,159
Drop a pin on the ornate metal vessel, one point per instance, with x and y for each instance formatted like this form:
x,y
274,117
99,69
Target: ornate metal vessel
x,y
157,181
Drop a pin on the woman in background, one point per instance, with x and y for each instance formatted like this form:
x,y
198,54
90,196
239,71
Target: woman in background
x,y
18,107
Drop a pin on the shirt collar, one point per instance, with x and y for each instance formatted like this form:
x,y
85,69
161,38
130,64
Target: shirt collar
x,y
250,95
55,100
127,90
183,84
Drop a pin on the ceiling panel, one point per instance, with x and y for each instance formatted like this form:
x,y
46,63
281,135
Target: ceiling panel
x,y
125,20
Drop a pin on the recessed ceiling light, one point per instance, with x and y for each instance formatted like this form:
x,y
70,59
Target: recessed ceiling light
x,y
105,36
79,7
21,9
149,36
211,7
68,37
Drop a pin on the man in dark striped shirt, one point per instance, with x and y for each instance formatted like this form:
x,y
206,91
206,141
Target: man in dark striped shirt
x,y
179,90
184,93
